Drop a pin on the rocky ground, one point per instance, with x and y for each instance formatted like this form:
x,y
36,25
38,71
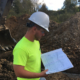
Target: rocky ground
x,y
65,35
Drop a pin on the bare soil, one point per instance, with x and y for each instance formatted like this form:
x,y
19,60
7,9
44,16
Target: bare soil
x,y
65,35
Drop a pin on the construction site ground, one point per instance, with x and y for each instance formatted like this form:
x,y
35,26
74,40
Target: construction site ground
x,y
65,35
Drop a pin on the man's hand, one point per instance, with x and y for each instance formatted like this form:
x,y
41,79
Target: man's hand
x,y
43,73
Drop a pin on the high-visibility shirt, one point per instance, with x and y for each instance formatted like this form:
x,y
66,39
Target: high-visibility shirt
x,y
28,54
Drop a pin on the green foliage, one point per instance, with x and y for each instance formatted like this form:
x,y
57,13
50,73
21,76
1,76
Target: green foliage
x,y
69,5
60,16
64,17
69,8
43,8
74,2
18,8
27,6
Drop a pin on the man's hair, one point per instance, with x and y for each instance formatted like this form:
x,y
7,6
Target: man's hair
x,y
32,24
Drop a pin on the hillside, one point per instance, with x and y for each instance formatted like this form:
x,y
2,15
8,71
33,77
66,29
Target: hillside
x,y
64,35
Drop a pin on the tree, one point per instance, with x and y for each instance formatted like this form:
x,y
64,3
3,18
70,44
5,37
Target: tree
x,y
21,7
74,2
16,6
44,8
25,6
69,5
28,6
35,4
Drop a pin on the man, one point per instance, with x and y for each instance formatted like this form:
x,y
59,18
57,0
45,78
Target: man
x,y
27,53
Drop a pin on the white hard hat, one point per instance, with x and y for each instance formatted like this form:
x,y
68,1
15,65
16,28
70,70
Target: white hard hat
x,y
41,19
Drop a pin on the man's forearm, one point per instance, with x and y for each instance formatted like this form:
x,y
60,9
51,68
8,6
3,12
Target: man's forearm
x,y
27,74
20,72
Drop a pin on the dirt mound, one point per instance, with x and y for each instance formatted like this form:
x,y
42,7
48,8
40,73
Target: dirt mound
x,y
64,35
17,29
17,26
6,70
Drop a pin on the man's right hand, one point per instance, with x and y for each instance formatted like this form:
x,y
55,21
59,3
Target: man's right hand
x,y
43,73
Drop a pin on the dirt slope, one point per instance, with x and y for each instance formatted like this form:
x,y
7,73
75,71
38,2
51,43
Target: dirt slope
x,y
64,35
17,26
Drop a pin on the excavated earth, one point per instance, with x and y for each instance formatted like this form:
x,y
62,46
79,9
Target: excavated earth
x,y
65,35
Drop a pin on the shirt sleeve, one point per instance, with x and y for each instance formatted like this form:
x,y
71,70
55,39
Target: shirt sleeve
x,y
19,57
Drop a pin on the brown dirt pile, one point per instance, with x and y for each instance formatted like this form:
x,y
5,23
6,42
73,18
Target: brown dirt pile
x,y
17,26
6,70
64,35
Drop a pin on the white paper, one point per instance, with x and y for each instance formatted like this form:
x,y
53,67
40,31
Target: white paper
x,y
55,61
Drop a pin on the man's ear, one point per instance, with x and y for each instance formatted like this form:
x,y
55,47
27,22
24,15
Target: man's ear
x,y
34,28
